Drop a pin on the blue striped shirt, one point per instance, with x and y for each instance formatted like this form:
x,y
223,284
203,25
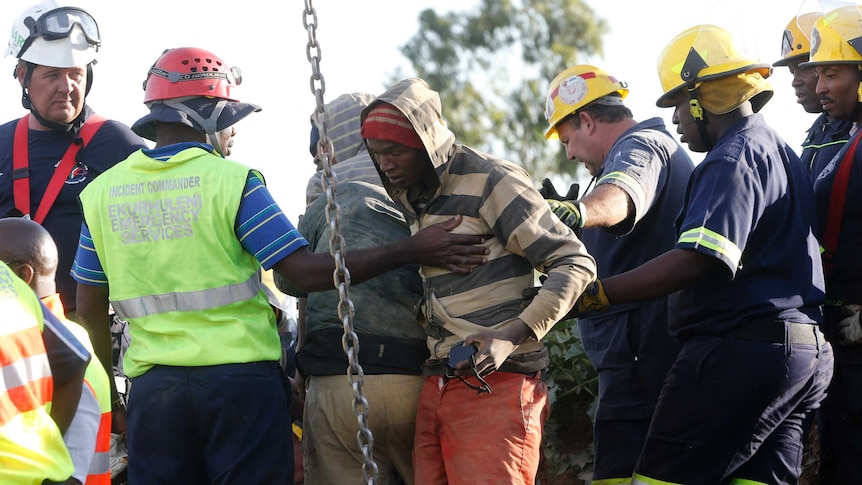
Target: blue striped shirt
x,y
262,228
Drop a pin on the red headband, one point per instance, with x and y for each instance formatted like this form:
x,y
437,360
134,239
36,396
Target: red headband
x,y
385,122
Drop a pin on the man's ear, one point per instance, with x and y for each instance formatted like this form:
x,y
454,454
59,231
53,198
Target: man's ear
x,y
20,72
25,271
587,121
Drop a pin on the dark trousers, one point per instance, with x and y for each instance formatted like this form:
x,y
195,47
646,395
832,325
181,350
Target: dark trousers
x,y
223,424
734,408
840,421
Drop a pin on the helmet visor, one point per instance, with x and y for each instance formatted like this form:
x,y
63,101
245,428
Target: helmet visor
x,y
58,24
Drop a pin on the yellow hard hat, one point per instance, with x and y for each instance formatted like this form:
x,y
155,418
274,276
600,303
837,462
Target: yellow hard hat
x,y
796,39
702,53
575,88
837,37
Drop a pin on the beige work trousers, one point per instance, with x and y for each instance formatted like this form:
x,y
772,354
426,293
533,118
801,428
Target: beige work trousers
x,y
330,450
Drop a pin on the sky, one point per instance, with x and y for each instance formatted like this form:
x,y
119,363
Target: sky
x,y
359,45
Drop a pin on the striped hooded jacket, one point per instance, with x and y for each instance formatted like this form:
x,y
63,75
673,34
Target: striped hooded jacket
x,y
497,199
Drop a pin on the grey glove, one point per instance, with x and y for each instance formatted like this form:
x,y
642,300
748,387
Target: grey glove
x,y
850,328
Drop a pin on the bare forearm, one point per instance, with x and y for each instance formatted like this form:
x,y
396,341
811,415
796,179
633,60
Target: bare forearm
x,y
662,275
435,246
606,206
99,327
93,315
310,272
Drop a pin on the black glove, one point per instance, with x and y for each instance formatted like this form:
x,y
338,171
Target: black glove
x,y
529,293
548,191
527,296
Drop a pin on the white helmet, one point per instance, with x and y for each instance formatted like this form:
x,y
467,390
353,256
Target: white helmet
x,y
49,35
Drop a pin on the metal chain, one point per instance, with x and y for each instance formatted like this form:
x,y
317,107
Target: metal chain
x,y
337,247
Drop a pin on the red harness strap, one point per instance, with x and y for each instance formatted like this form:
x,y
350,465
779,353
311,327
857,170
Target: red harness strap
x,y
836,207
21,166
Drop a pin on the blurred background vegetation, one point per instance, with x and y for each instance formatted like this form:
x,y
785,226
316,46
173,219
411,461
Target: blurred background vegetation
x,y
491,66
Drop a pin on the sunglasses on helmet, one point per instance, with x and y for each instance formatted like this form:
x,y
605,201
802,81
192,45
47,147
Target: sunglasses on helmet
x,y
58,24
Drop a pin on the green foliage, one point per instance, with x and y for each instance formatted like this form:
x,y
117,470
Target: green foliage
x,y
573,392
492,67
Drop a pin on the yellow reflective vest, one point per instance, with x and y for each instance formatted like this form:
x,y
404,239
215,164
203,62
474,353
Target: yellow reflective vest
x,y
164,231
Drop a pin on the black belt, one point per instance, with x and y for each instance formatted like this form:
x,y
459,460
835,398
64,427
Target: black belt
x,y
776,331
437,367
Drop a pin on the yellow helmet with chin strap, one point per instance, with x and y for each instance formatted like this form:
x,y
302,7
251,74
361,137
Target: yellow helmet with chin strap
x,y
796,39
703,53
714,72
837,39
575,88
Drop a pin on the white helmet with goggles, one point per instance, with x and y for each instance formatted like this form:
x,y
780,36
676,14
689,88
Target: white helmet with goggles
x,y
49,35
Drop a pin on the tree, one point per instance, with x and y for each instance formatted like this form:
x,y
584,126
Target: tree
x,y
492,67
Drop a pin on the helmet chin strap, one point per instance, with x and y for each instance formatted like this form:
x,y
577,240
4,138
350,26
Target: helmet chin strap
x,y
697,112
209,125
859,86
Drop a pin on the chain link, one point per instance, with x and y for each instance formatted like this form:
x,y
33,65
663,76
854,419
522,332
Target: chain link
x,y
337,247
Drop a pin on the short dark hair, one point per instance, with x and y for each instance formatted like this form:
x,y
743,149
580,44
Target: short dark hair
x,y
601,112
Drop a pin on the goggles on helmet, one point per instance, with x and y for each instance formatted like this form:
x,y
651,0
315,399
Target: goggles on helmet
x,y
234,75
58,24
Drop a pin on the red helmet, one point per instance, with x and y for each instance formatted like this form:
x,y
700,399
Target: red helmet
x,y
189,71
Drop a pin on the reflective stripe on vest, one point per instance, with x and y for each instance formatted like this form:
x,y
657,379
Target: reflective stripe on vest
x,y
188,301
100,468
27,381
99,472
24,369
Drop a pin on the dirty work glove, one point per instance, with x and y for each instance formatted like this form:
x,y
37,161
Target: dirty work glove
x,y
593,300
527,296
570,212
850,328
548,191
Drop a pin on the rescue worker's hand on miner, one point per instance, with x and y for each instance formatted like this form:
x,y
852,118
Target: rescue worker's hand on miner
x,y
438,246
570,213
850,328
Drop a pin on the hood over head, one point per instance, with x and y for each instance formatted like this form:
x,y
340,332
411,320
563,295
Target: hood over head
x,y
422,107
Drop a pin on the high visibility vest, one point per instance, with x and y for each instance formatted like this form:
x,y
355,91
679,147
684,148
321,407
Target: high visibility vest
x,y
164,233
31,446
95,383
